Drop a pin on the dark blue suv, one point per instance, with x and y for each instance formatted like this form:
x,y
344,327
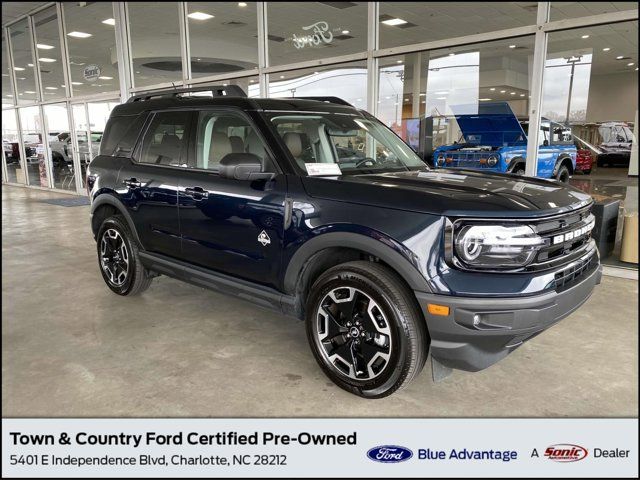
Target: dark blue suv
x,y
316,210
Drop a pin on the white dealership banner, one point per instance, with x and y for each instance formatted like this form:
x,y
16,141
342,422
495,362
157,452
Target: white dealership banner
x,y
319,447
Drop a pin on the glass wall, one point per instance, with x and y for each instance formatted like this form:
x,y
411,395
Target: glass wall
x,y
31,127
20,34
404,23
59,149
347,81
49,54
155,42
591,86
11,147
7,82
223,37
300,31
91,41
419,94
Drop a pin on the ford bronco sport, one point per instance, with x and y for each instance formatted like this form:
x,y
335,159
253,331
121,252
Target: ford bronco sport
x,y
316,210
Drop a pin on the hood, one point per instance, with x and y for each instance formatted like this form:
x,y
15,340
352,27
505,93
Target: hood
x,y
493,125
455,193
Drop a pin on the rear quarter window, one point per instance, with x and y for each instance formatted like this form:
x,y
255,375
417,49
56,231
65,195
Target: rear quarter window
x,y
121,131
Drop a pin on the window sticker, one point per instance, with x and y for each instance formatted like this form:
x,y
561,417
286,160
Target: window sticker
x,y
319,169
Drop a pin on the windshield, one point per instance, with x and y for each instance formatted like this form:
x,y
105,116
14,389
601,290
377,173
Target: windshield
x,y
353,143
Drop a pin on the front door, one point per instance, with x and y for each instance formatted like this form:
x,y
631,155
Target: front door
x,y
228,225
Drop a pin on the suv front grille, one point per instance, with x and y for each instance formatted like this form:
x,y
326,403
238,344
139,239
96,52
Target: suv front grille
x,y
565,236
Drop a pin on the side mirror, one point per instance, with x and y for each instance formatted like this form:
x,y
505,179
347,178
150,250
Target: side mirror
x,y
242,166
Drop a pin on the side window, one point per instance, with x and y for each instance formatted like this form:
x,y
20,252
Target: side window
x,y
165,142
220,134
543,134
561,134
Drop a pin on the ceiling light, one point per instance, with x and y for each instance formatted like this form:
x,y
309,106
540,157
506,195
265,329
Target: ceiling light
x,y
512,46
630,64
502,91
512,93
493,89
443,92
585,36
451,54
484,99
50,88
398,61
105,78
29,64
441,98
18,69
394,22
109,21
47,60
606,49
522,94
252,81
242,4
281,76
423,94
200,16
345,32
29,91
44,46
619,57
358,99
79,34
77,83
406,99
225,84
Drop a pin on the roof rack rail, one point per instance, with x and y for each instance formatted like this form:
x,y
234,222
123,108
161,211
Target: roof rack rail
x,y
216,91
335,100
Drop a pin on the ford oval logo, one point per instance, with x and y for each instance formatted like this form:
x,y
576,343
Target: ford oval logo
x,y
389,454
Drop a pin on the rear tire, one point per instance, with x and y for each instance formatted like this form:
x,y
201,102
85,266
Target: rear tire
x,y
365,329
119,259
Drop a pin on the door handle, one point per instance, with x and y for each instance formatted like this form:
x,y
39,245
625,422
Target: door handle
x,y
132,182
197,193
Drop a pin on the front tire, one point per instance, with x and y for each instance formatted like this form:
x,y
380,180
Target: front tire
x,y
563,174
365,329
119,260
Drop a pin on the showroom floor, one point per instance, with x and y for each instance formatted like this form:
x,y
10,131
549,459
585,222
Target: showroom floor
x,y
71,348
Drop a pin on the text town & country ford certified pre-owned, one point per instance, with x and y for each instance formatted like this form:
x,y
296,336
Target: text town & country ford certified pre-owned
x,y
315,209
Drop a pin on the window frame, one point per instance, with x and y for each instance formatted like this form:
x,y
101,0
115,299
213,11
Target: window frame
x,y
151,115
191,147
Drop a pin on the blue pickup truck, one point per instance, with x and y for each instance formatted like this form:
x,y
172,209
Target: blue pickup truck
x,y
495,140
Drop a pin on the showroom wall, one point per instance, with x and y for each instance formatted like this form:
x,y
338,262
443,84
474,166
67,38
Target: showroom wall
x,y
613,96
66,64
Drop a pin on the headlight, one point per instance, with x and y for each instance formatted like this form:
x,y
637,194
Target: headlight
x,y
440,159
496,246
492,160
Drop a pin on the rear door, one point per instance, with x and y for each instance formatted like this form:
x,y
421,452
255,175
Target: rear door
x,y
149,181
228,225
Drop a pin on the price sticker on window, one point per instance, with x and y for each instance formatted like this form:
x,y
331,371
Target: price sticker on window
x,y
321,169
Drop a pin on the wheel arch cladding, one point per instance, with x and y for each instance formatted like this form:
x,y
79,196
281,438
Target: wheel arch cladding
x,y
563,160
106,204
345,245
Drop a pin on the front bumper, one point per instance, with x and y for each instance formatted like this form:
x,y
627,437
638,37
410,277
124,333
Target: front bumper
x,y
480,331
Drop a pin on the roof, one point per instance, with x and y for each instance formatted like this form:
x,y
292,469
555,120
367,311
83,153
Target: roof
x,y
262,104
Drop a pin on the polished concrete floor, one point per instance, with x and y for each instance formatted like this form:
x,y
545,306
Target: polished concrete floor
x,y
70,347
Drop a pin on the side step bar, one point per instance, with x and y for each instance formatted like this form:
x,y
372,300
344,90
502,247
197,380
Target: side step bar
x,y
257,294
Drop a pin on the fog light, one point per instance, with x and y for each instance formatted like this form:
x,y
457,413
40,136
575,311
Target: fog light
x,y
434,309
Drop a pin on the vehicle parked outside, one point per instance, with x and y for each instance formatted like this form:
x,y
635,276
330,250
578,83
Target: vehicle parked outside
x,y
584,157
493,139
315,209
